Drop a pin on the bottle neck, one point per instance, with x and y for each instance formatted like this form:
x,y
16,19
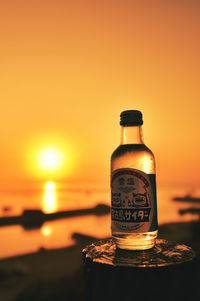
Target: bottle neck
x,y
131,135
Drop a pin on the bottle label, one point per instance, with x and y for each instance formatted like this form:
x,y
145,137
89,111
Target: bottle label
x,y
133,201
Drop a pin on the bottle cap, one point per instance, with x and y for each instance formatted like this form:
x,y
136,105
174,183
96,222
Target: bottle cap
x,y
131,118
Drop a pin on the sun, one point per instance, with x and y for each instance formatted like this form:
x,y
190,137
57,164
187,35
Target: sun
x,y
50,159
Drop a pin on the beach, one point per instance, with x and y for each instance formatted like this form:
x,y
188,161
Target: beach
x,y
43,275
58,274
45,262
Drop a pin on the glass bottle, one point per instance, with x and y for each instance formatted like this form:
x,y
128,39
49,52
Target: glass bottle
x,y
133,188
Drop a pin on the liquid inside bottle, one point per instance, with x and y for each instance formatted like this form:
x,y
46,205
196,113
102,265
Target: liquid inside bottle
x,y
133,192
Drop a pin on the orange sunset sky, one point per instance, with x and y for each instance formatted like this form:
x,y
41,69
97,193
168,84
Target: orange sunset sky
x,y
67,70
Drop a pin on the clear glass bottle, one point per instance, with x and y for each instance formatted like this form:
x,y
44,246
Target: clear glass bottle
x,y
133,188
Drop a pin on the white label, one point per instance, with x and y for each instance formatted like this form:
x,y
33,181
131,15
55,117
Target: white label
x,y
132,201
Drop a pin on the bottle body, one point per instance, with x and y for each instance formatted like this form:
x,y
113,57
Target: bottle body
x,y
133,194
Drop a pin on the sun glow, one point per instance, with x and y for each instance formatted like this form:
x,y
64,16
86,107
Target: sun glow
x,y
50,159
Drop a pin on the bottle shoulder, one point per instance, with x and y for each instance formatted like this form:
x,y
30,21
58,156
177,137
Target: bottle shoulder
x,y
131,148
136,156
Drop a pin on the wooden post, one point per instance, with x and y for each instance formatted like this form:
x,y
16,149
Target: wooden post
x,y
165,272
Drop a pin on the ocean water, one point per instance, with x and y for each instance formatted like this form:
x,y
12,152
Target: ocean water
x,y
15,240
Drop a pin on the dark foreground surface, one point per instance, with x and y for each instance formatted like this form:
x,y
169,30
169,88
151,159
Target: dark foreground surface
x,y
168,271
49,275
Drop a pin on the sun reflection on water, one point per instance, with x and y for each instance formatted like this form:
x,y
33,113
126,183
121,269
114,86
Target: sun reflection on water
x,y
46,231
50,199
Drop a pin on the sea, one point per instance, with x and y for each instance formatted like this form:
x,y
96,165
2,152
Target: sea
x,y
53,197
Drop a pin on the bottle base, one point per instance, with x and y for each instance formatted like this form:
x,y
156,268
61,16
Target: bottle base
x,y
135,241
